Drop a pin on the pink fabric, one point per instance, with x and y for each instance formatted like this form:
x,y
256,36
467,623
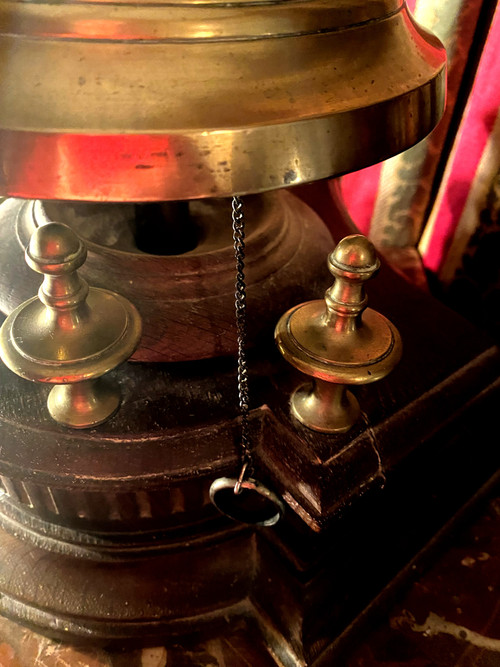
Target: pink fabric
x,y
474,132
359,190
362,188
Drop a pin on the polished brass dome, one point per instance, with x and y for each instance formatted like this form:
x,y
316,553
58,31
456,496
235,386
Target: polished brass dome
x,y
143,101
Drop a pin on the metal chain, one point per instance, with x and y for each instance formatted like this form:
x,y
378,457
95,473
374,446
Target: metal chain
x,y
240,305
240,509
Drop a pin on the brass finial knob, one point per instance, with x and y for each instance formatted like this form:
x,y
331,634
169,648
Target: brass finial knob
x,y
70,335
338,341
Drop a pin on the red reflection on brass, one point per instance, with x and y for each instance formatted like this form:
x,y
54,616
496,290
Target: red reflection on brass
x,y
107,167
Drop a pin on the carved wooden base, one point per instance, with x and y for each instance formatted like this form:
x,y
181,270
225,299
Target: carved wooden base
x,y
288,591
186,300
109,534
99,568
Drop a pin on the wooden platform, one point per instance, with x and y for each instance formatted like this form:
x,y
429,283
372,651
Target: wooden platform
x,y
442,610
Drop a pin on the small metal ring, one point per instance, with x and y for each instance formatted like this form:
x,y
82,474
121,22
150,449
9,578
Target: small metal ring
x,y
223,496
241,479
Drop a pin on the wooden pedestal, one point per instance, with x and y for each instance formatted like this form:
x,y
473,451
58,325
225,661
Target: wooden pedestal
x,y
108,535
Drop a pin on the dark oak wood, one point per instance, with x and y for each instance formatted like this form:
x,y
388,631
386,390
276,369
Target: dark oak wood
x,y
186,300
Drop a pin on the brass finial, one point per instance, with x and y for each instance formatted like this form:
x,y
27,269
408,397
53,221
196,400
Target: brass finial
x,y
70,335
338,341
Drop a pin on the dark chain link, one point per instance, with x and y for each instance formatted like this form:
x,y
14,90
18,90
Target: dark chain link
x,y
240,304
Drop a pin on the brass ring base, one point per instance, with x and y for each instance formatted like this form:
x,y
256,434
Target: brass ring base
x,y
335,413
83,404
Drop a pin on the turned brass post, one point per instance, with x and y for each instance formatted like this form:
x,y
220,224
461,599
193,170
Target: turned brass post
x,y
338,341
70,335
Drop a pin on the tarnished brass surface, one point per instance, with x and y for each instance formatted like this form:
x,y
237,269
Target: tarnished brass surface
x,y
338,341
149,101
69,335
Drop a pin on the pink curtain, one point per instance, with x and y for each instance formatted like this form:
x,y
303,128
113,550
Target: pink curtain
x,y
442,197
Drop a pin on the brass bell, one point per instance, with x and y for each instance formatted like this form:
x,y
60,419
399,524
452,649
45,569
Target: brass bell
x,y
140,101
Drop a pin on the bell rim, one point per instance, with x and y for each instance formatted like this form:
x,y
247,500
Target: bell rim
x,y
150,167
